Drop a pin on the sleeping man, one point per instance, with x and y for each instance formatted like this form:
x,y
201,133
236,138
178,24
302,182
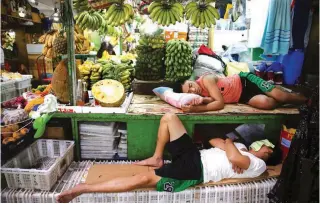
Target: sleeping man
x,y
189,166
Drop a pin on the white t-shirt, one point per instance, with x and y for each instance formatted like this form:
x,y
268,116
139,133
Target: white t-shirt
x,y
216,165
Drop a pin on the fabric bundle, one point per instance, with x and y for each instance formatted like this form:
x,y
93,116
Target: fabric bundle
x,y
277,32
299,178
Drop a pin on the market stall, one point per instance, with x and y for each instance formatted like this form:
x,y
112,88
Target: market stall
x,y
117,68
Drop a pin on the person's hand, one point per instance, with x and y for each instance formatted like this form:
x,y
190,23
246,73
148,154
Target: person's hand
x,y
196,101
187,108
237,169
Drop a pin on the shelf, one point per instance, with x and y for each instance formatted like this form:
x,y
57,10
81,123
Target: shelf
x,y
18,18
80,56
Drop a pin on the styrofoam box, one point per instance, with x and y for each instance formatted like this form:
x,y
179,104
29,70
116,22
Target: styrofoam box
x,y
97,127
34,48
18,171
8,94
24,82
23,90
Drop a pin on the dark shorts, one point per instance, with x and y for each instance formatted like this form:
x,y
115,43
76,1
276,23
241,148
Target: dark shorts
x,y
185,170
253,85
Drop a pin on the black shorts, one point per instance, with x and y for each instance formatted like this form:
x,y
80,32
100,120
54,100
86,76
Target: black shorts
x,y
186,160
249,90
253,85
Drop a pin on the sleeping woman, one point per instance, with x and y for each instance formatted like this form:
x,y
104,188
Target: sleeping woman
x,y
244,88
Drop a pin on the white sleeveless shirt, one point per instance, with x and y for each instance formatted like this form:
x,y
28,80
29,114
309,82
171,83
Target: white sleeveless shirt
x,y
216,165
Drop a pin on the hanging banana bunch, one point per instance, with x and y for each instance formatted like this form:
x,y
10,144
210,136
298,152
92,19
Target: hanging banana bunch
x,y
118,14
165,13
91,20
81,6
201,14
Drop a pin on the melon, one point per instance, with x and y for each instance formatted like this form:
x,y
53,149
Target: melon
x,y
109,93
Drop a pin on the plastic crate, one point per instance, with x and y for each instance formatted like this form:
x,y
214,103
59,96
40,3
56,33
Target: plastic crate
x,y
23,90
24,82
7,85
8,94
54,156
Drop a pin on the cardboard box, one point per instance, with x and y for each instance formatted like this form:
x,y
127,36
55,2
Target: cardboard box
x,y
104,172
54,133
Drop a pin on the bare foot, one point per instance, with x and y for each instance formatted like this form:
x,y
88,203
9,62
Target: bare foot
x,y
69,195
152,161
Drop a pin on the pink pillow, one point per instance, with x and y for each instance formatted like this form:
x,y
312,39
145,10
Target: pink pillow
x,y
177,99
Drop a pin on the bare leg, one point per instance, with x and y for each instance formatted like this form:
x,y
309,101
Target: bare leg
x,y
286,97
122,184
263,102
170,129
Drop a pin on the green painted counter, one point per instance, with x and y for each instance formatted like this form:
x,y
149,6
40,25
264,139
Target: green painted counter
x,y
142,129
144,113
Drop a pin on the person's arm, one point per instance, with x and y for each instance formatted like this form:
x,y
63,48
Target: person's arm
x,y
207,100
235,157
218,142
217,103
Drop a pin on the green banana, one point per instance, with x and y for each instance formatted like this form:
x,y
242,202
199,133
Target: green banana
x,y
214,11
152,6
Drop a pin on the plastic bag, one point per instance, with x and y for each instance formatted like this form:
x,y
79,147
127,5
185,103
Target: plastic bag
x,y
236,68
14,116
235,48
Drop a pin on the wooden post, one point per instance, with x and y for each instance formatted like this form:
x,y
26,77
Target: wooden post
x,y
70,53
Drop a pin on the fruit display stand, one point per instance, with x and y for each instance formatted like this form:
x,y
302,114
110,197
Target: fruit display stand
x,y
144,112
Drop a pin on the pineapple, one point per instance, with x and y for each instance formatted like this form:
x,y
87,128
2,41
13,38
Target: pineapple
x,y
60,45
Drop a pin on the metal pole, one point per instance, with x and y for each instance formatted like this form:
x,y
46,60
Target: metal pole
x,y
70,53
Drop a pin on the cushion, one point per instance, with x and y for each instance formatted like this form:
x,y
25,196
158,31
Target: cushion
x,y
177,99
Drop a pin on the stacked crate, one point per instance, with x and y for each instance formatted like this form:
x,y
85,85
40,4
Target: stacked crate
x,y
198,37
15,87
101,140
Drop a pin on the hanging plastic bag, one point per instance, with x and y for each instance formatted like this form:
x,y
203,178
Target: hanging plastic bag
x,y
235,48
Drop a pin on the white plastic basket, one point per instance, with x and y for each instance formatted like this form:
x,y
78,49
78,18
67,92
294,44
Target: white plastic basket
x,y
24,82
8,94
54,156
23,90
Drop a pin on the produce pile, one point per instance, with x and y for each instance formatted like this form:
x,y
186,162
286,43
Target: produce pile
x,y
81,43
122,72
165,13
201,14
48,39
85,70
15,103
90,72
11,133
178,60
95,75
151,50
